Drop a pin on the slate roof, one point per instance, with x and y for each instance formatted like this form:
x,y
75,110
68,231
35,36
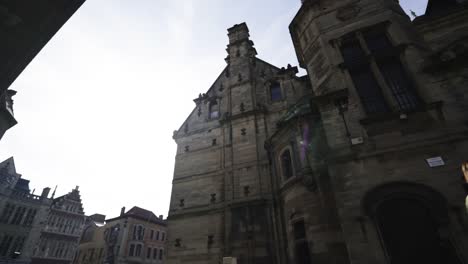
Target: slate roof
x,y
141,214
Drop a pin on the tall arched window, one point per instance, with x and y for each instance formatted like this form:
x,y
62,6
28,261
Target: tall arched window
x,y
213,110
286,164
275,92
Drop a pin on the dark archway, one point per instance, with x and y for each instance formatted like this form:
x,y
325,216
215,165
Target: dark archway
x,y
409,218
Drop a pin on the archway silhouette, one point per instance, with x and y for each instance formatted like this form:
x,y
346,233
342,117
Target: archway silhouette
x,y
412,220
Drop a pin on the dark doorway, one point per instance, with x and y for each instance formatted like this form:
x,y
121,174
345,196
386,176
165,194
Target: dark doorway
x,y
411,233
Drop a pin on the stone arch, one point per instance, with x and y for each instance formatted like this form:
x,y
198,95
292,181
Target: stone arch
x,y
422,193
412,223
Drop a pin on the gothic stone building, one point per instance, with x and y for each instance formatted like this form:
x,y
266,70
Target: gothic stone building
x,y
36,229
21,215
60,236
359,161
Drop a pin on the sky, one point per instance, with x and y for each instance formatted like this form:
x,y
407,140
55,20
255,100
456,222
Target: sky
x,y
97,107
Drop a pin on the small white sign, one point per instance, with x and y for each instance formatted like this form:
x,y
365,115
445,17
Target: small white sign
x,y
229,260
435,162
357,140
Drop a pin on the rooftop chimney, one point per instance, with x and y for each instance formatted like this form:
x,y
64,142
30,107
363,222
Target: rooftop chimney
x,y
45,192
161,217
122,211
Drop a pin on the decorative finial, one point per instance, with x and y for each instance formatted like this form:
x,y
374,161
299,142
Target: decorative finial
x,y
413,14
53,194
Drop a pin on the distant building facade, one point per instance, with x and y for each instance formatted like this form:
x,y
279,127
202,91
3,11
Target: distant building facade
x,y
60,237
92,248
134,237
22,215
358,161
36,229
25,28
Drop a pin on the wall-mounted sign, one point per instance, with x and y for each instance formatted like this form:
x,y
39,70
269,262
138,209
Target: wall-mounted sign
x,y
435,162
357,140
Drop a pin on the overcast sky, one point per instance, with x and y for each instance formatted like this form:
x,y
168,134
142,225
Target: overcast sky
x,y
97,107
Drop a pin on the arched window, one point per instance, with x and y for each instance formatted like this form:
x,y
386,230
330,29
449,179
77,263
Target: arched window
x,y
286,164
213,110
275,92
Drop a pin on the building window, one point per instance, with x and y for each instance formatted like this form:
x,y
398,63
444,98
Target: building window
x,y
373,48
300,243
132,250
5,245
366,85
18,216
160,254
155,253
151,234
286,164
138,232
7,212
148,253
157,235
275,92
213,110
138,250
28,221
163,236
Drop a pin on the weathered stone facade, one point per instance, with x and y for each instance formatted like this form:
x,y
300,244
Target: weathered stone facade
x,y
221,201
357,162
60,236
378,156
33,228
22,215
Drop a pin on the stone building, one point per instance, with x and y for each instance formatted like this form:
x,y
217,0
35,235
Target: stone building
x,y
92,243
36,229
25,28
21,215
135,236
60,236
359,161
